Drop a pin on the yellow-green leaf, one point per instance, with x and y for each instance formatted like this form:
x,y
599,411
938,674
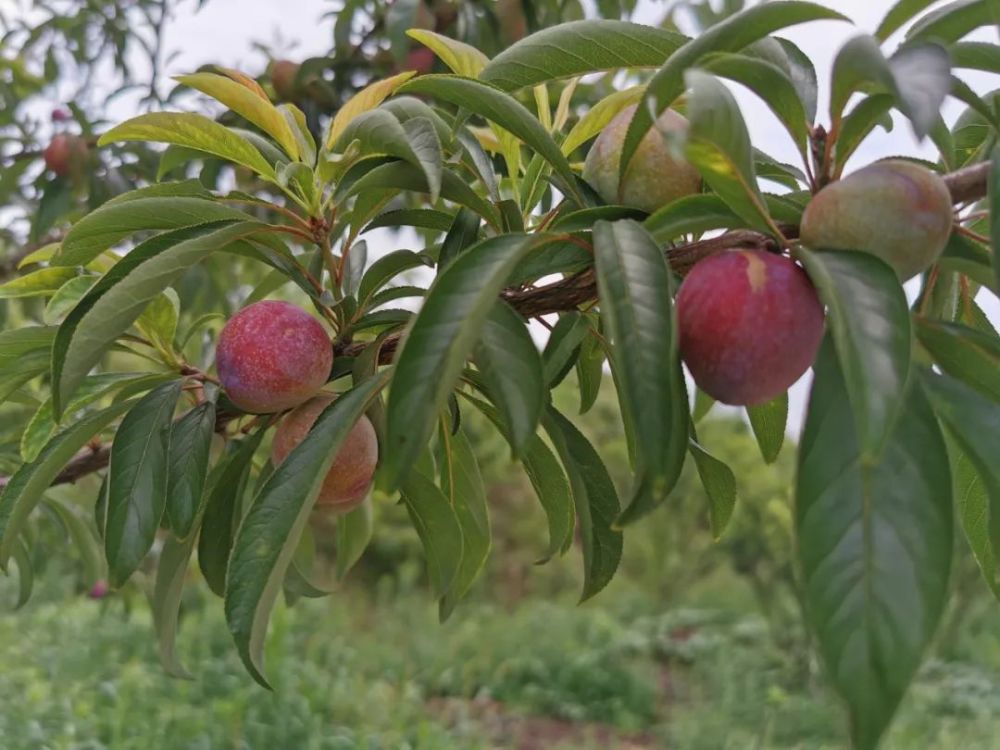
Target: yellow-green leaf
x,y
462,58
368,98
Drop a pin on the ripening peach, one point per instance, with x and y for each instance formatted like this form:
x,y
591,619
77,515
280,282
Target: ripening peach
x,y
655,176
750,325
272,356
896,210
350,477
66,154
283,74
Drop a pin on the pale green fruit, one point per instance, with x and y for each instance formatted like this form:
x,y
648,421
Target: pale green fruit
x,y
897,210
655,177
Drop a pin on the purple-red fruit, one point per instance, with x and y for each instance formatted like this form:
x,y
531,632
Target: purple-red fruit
x,y
655,176
750,325
273,356
66,154
350,477
896,210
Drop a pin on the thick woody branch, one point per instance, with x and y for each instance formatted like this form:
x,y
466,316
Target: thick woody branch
x,y
968,184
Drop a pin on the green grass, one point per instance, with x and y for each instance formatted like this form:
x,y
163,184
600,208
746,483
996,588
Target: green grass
x,y
354,671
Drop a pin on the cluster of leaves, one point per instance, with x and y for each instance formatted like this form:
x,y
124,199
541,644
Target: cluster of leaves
x,y
481,162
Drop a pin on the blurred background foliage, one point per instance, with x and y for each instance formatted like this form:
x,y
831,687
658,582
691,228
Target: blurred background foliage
x,y
697,644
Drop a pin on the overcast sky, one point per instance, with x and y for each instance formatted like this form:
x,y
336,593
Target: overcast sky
x,y
224,30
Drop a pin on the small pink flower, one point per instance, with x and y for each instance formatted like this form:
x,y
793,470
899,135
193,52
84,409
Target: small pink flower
x,y
99,590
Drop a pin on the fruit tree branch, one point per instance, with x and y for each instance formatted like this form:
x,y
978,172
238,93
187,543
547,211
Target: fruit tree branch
x,y
966,185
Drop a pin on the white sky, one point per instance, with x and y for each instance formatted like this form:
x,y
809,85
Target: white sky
x,y
224,30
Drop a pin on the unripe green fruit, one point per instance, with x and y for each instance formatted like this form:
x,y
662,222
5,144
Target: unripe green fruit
x,y
896,210
350,476
654,177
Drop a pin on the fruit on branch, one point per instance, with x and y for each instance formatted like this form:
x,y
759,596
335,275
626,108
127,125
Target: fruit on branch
x,y
655,177
66,154
283,74
420,59
273,356
897,210
350,477
510,17
750,325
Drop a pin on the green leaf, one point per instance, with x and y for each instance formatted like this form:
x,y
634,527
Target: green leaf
x,y
994,202
437,343
461,58
595,499
83,539
158,322
718,144
578,47
438,527
379,132
228,485
121,295
462,234
37,283
719,483
870,322
731,35
975,56
768,422
368,98
25,573
190,443
269,534
965,353
193,131
563,347
635,287
973,504
972,421
26,486
511,368
772,84
918,76
250,105
66,297
953,21
420,218
692,214
900,13
462,485
590,370
137,481
875,546
859,123
42,426
114,221
497,107
386,268
354,532
171,570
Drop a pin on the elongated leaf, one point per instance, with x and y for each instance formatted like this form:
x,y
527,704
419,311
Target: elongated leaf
x,y
768,422
718,144
590,370
247,103
636,308
228,485
497,107
953,21
437,344
859,123
974,422
462,484
269,534
368,98
114,221
965,353
192,131
82,537
511,367
868,316
461,58
598,117
595,499
462,234
420,218
874,542
719,483
994,201
166,604
973,504
386,268
26,486
438,527
25,573
190,442
137,481
37,283
731,35
115,302
578,47
900,13
354,532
